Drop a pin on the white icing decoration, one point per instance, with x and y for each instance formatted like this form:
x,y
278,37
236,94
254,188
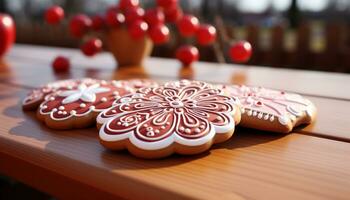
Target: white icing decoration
x,y
292,117
250,112
103,99
271,102
82,105
283,120
83,92
61,87
61,108
294,110
170,111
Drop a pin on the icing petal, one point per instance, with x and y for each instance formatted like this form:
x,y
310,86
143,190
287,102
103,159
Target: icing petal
x,y
71,98
188,92
82,87
214,106
169,92
67,93
191,126
98,90
125,122
88,97
222,122
157,127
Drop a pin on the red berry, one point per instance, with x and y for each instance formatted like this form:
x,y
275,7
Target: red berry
x,y
159,34
173,14
60,64
166,3
98,22
188,25
138,29
114,18
132,14
54,15
154,16
91,47
206,34
187,54
79,25
241,51
124,4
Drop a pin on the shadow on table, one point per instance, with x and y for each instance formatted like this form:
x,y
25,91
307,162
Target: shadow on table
x,y
83,145
242,138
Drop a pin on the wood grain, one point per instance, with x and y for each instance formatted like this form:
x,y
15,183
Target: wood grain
x,y
332,119
24,57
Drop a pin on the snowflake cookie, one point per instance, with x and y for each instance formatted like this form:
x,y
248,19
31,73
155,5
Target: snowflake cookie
x,y
78,104
36,96
184,117
271,110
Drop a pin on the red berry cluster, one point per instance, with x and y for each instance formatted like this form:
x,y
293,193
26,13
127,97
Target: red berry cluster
x,y
139,23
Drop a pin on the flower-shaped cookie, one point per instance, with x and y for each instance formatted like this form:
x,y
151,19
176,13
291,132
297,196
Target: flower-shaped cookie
x,y
78,106
154,122
271,110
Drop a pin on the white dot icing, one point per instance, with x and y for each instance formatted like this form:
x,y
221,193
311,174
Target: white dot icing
x,y
103,99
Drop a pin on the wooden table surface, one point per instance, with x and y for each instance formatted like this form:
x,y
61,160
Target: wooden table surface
x,y
313,162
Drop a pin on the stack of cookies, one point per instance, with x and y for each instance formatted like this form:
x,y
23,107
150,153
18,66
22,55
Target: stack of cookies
x,y
154,120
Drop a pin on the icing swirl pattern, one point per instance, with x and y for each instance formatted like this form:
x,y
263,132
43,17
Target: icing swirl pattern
x,y
38,95
185,112
270,105
82,99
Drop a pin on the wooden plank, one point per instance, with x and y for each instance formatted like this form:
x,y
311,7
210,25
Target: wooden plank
x,y
331,121
251,165
48,181
102,66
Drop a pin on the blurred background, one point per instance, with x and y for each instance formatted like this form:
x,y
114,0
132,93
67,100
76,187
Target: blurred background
x,y
304,34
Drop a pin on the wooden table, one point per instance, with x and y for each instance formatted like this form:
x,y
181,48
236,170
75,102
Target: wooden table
x,y
313,162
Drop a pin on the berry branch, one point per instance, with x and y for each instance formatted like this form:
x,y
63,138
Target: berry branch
x,y
152,23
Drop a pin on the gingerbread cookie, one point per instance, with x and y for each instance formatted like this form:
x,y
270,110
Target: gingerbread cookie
x,y
184,117
271,110
79,105
36,96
